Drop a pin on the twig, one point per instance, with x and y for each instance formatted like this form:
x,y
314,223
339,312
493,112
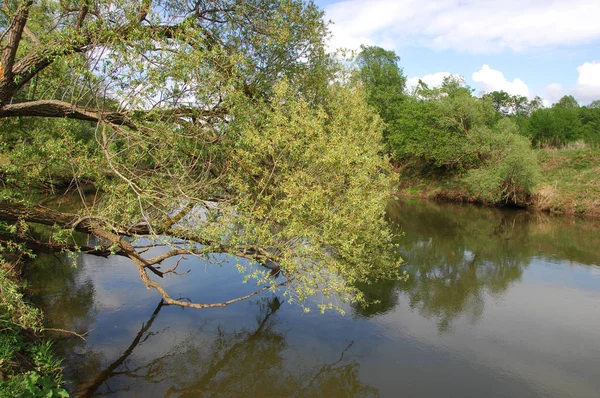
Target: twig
x,y
68,332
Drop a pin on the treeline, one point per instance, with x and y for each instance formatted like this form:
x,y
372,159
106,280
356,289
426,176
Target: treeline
x,y
560,125
563,123
484,143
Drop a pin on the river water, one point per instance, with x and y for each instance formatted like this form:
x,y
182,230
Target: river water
x,y
500,303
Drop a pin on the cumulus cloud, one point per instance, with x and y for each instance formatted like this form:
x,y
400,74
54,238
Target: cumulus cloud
x,y
493,80
432,80
471,25
587,88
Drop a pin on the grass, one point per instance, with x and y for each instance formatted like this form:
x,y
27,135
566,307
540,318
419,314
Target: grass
x,y
571,182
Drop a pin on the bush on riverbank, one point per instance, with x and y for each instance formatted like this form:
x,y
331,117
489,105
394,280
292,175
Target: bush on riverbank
x,y
509,171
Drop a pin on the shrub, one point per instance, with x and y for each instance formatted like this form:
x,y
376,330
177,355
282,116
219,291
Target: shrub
x,y
509,171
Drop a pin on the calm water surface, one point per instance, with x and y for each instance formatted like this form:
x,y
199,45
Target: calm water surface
x,y
499,304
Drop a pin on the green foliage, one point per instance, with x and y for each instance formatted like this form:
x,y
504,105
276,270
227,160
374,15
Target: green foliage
x,y
510,170
17,320
436,127
14,310
513,105
449,131
44,153
383,80
590,124
228,107
299,198
32,385
556,126
419,135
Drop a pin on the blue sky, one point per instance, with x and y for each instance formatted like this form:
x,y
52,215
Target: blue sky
x,y
528,47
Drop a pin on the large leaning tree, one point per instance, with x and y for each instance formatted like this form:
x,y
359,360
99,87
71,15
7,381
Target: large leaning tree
x,y
202,127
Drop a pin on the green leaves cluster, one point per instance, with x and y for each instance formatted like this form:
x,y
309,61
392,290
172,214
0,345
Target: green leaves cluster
x,y
313,186
563,123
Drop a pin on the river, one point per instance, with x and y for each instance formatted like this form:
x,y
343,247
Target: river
x,y
500,303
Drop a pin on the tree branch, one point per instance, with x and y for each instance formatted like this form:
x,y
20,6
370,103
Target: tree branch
x,y
60,109
97,227
32,36
15,33
51,247
55,108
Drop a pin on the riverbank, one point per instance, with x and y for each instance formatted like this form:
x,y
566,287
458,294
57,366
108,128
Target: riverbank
x,y
28,366
570,184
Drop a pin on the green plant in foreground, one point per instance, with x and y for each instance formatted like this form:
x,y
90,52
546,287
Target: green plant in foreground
x,y
28,367
31,385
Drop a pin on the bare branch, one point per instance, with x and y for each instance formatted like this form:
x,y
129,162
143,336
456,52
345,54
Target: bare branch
x,y
144,9
60,109
98,228
81,16
68,332
169,301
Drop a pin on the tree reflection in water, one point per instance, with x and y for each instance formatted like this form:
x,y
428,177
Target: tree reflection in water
x,y
455,258
241,363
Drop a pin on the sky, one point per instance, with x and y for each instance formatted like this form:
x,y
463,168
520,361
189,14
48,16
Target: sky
x,y
543,48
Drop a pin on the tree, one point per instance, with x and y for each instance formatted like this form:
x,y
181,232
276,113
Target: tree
x,y
500,101
594,104
383,80
555,126
437,125
198,126
567,102
513,105
589,117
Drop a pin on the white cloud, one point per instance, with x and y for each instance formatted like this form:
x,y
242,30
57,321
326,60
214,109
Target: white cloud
x,y
432,80
493,80
588,82
465,25
553,93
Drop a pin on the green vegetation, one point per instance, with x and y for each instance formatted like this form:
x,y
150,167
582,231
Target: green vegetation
x,y
225,127
28,367
207,128
451,144
571,183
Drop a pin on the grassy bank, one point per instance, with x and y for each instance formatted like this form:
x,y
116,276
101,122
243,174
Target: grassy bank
x,y
28,367
570,184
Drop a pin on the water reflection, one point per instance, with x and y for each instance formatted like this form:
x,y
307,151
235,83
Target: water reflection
x,y
89,388
457,255
499,303
247,362
252,363
207,358
56,286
